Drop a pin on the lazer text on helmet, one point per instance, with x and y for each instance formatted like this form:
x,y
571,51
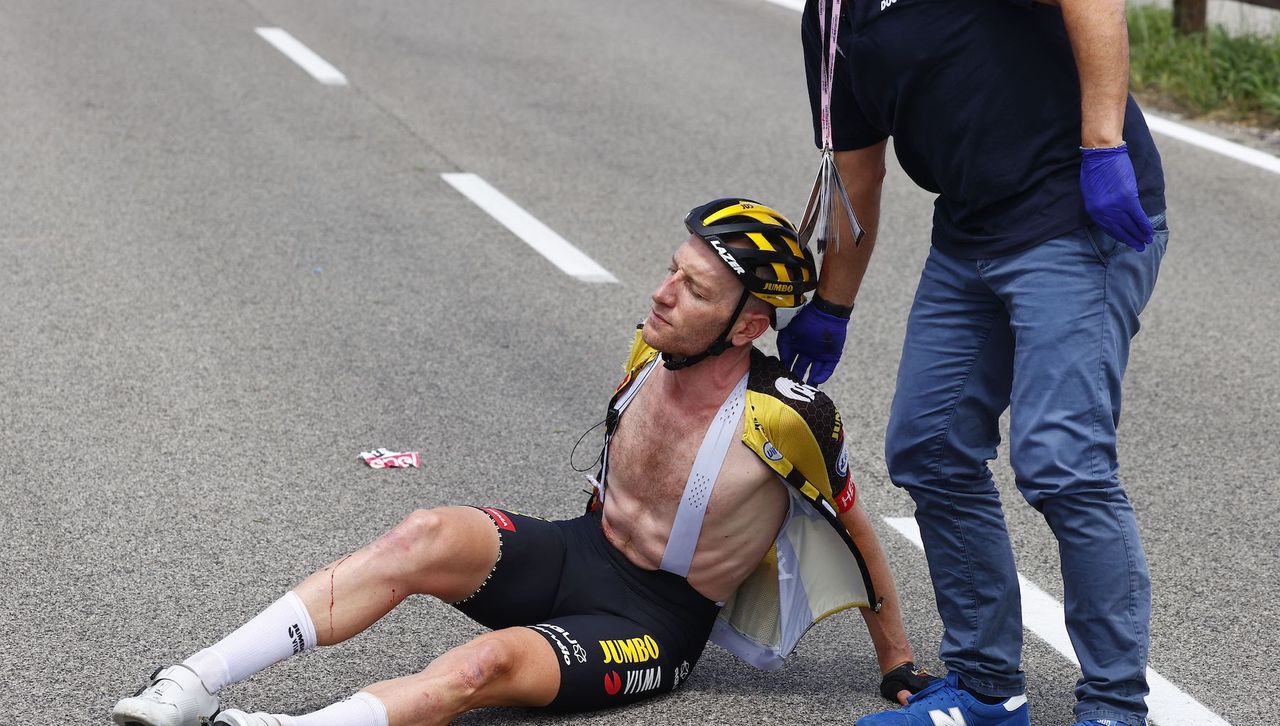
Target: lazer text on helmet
x,y
724,255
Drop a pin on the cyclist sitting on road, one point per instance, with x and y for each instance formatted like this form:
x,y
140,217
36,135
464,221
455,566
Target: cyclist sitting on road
x,y
687,537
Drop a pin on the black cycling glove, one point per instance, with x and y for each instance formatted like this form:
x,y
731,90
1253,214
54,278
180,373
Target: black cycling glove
x,y
906,677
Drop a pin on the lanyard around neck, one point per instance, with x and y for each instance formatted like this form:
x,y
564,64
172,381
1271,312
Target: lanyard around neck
x,y
828,64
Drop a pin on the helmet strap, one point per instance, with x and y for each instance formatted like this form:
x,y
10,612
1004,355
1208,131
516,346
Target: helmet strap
x,y
721,345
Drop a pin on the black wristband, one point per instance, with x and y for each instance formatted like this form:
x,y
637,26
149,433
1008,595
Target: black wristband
x,y
830,308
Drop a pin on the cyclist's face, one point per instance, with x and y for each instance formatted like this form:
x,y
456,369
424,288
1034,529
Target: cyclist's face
x,y
692,305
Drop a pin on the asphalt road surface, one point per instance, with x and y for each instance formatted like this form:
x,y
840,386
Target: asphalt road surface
x,y
221,279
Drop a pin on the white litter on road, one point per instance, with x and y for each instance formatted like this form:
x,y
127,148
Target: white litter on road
x,y
388,459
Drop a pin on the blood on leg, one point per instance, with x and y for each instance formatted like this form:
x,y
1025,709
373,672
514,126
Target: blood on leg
x,y
446,552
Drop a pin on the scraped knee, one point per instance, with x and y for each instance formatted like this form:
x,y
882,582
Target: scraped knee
x,y
415,537
484,663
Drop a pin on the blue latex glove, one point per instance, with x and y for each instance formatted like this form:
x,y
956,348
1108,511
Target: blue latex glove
x,y
1111,195
813,341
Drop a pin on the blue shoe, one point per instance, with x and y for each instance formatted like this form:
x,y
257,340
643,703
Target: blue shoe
x,y
944,703
1101,722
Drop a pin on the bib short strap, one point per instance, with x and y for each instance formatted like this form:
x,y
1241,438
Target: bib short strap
x,y
687,526
618,408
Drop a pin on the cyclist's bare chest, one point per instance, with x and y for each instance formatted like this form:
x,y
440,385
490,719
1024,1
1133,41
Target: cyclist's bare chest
x,y
653,450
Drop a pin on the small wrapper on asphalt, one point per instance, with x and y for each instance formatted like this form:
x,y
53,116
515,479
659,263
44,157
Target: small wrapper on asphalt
x,y
388,459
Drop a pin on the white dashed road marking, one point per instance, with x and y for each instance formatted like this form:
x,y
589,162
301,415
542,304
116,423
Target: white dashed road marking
x,y
537,235
1044,616
318,67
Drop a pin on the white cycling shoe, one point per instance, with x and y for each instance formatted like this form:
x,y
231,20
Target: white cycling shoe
x,y
233,717
175,697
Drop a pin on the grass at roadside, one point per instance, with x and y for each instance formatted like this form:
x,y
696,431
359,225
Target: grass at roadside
x,y
1214,74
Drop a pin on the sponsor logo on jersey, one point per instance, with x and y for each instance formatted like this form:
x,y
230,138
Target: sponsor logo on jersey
x,y
631,650
847,496
842,464
837,429
643,680
551,637
795,390
680,675
563,641
771,453
612,683
500,518
885,4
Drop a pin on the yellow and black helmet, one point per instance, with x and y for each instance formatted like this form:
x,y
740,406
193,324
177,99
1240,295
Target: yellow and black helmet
x,y
776,268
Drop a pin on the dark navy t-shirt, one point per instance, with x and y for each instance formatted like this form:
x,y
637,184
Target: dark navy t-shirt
x,y
982,99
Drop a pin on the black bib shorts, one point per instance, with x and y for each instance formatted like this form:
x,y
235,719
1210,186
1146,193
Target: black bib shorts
x,y
622,634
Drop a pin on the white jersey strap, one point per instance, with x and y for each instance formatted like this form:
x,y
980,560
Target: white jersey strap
x,y
625,399
618,407
686,528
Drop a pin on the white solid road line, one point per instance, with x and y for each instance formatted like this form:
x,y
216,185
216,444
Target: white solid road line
x,y
537,235
1164,126
318,67
1045,617
1175,130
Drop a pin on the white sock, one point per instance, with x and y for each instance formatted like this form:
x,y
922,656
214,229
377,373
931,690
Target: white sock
x,y
282,630
362,709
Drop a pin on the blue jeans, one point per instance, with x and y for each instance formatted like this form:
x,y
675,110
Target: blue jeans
x,y
1044,332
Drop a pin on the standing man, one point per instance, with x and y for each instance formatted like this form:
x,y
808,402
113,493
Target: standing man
x,y
1048,232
